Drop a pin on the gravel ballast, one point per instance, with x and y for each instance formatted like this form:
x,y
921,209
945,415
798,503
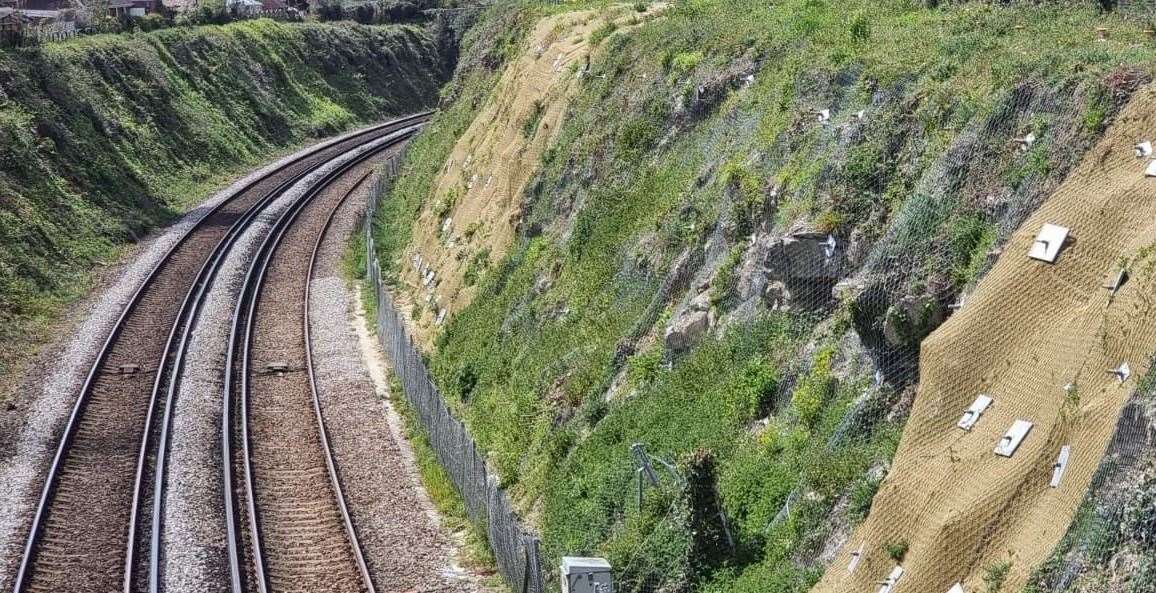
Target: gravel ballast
x,y
404,544
194,530
35,420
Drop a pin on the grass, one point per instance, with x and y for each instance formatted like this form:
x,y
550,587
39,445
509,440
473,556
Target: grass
x,y
476,553
108,137
625,190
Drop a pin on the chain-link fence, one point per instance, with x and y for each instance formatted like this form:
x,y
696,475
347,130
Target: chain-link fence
x,y
515,550
841,308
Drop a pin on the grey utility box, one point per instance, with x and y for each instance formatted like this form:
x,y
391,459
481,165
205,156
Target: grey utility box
x,y
586,575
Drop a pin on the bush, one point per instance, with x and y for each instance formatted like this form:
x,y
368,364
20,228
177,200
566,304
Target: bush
x,y
710,544
995,575
814,389
897,551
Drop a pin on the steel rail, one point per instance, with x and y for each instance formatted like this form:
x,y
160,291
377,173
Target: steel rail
x,y
44,502
327,449
243,315
191,309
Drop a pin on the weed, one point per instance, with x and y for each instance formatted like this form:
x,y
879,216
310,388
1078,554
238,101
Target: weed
x,y
815,388
530,126
643,368
477,267
995,575
601,33
862,495
724,283
684,62
860,28
897,551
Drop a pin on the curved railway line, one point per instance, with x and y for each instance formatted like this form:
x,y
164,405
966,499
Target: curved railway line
x,y
296,534
91,527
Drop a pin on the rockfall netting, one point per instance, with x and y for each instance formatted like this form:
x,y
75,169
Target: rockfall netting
x,y
1040,339
854,306
515,550
1047,343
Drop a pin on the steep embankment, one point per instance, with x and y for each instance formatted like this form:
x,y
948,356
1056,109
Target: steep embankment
x,y
752,217
475,205
104,138
1038,338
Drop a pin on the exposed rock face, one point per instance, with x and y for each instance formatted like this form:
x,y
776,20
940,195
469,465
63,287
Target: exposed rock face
x,y
891,324
777,296
713,90
793,271
911,319
685,331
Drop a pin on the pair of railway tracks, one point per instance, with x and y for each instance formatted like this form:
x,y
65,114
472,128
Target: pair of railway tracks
x,y
98,524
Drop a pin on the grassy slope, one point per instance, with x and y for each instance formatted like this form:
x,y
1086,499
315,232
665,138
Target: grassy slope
x,y
635,180
104,138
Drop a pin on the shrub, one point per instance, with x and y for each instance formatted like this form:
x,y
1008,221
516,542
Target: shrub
x,y
897,551
995,575
710,544
684,62
814,389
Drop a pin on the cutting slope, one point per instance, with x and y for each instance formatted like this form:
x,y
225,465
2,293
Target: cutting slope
x,y
470,218
1029,330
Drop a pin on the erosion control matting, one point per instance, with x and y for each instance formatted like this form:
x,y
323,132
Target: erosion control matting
x,y
1038,338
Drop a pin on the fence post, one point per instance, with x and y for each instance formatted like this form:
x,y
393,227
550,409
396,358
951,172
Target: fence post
x,y
532,581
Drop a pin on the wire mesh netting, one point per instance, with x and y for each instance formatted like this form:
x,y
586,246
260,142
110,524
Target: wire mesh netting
x,y
515,551
850,310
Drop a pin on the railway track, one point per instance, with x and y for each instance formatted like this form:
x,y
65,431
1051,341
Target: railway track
x,y
296,534
91,527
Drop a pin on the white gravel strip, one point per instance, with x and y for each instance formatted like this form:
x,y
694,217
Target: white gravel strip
x,y
194,530
402,540
34,444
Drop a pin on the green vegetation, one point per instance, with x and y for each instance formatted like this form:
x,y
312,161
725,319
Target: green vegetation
x,y
897,551
713,137
994,577
104,138
1112,534
485,48
531,124
440,488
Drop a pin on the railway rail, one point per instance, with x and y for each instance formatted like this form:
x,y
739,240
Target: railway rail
x,y
89,528
296,533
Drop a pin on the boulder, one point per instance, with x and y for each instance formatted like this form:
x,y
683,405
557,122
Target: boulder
x,y
792,271
805,255
700,302
912,318
686,330
777,296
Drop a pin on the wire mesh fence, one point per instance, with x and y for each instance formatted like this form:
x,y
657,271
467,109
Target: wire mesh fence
x,y
516,552
857,301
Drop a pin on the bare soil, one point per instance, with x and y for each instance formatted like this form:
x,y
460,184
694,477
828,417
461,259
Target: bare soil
x,y
476,203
